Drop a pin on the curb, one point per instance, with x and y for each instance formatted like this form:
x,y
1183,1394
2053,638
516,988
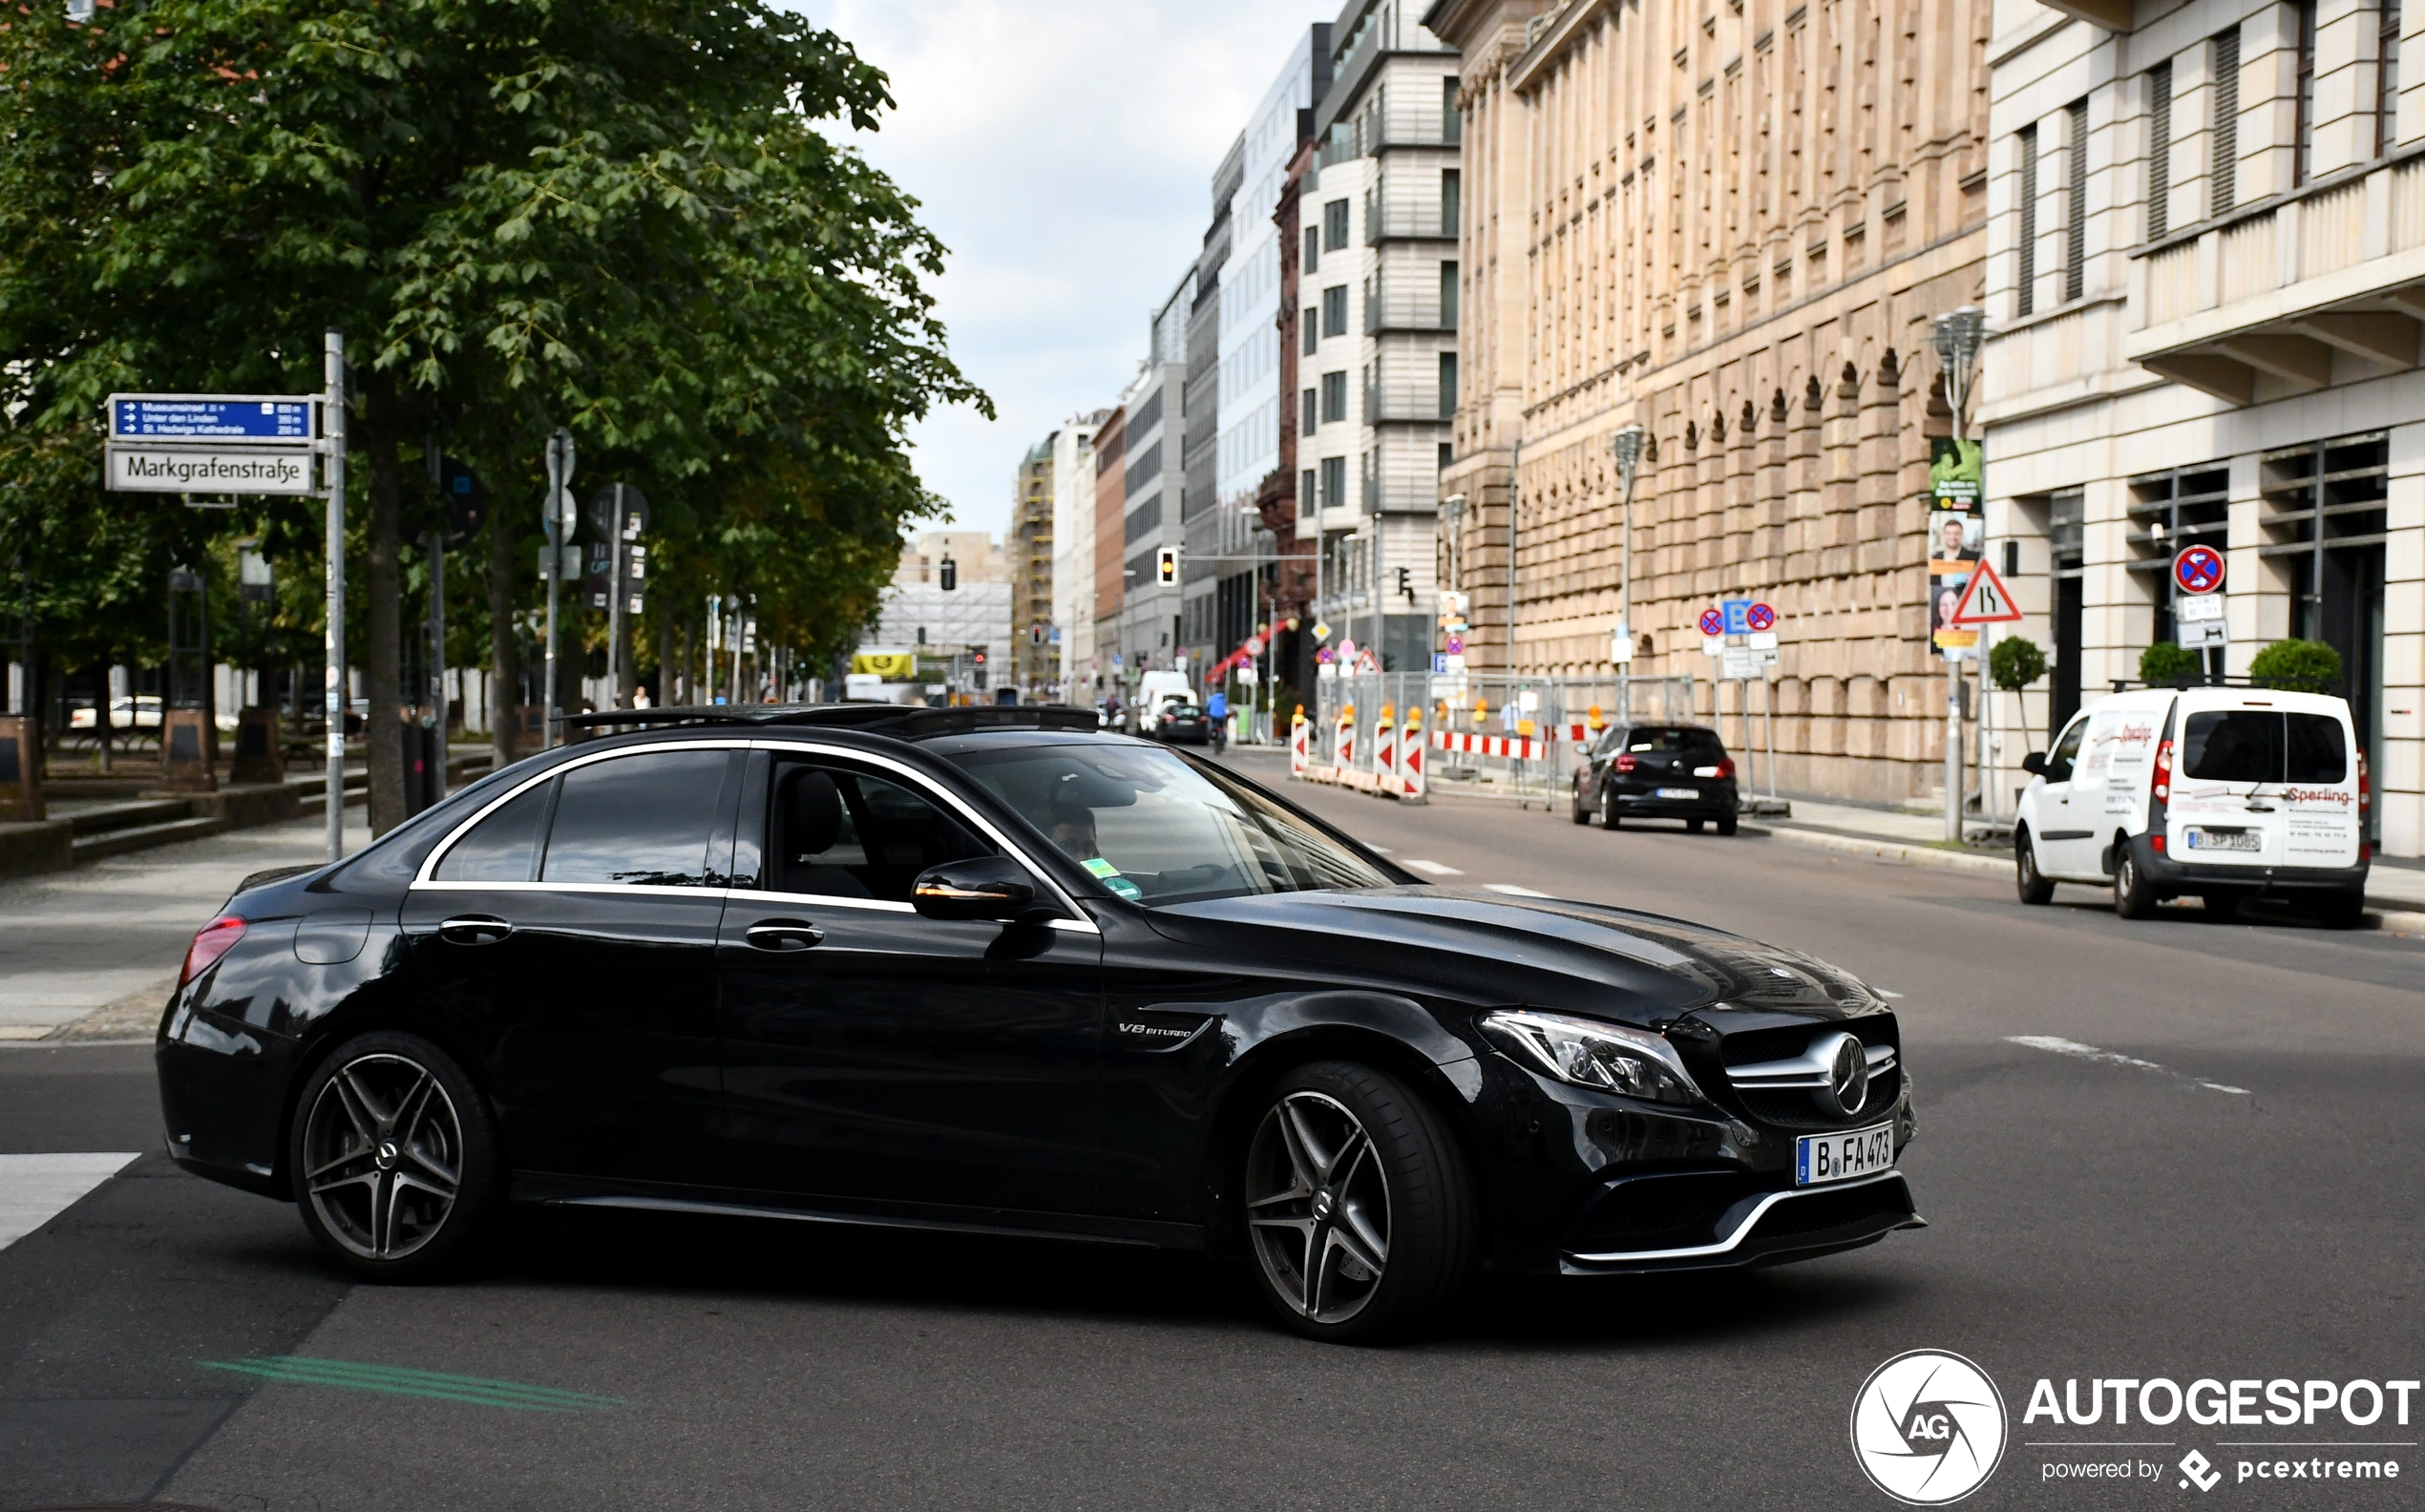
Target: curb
x,y
1892,850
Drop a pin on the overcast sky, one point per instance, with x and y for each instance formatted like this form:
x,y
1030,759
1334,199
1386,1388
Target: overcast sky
x,y
1063,150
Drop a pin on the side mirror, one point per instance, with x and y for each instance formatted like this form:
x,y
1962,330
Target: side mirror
x,y
985,887
2034,764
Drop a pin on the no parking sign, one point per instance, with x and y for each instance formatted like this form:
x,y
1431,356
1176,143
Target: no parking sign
x,y
2198,569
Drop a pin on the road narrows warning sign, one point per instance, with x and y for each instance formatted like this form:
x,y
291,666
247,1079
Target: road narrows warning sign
x,y
1986,601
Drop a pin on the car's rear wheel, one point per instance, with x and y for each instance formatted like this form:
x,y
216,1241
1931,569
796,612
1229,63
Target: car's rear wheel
x,y
1359,1210
1727,823
2341,909
2036,888
397,1165
2135,897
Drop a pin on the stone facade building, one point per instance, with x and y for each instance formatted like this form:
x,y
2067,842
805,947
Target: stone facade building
x,y
1731,222
2208,275
1031,572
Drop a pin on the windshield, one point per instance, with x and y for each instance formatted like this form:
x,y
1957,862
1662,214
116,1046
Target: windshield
x,y
1158,831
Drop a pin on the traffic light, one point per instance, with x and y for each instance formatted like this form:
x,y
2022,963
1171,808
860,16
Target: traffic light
x,y
1167,566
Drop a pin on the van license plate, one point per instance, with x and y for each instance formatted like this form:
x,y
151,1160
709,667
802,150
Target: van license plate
x,y
1680,792
2225,840
1822,1158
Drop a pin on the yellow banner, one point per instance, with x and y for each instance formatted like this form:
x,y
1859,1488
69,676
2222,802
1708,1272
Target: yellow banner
x,y
892,667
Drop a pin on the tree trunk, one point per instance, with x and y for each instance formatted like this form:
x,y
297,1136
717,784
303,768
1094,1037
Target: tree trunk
x,y
505,671
384,675
101,718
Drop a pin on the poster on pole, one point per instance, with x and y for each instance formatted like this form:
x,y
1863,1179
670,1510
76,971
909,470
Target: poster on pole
x,y
1957,536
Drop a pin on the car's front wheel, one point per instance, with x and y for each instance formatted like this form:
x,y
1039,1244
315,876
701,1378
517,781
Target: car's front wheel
x,y
1359,1210
395,1162
1608,819
1582,815
2031,883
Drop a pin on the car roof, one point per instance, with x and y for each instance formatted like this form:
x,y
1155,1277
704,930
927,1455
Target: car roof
x,y
900,722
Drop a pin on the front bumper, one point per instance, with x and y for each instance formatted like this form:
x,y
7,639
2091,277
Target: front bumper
x,y
1673,1222
2162,868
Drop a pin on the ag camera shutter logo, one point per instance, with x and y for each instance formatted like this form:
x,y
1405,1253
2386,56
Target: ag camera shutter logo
x,y
1927,1427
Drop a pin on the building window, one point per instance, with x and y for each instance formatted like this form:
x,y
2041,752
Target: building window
x,y
1448,386
1447,455
1371,472
2387,81
1305,493
1335,310
1335,226
1333,489
2303,164
1313,249
1451,193
1452,121
1448,296
2223,171
1308,418
1334,397
2159,150
2075,202
2027,146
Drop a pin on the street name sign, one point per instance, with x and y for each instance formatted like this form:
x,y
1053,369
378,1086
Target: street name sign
x,y
212,470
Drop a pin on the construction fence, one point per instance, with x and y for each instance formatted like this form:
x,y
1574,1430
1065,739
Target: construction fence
x,y
1511,734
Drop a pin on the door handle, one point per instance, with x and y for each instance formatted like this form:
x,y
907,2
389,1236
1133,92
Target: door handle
x,y
783,935
473,929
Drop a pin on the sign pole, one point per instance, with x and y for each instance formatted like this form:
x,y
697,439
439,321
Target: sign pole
x,y
333,427
557,466
438,657
615,606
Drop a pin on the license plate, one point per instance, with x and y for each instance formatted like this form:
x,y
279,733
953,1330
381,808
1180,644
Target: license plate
x,y
2225,840
1680,792
1822,1158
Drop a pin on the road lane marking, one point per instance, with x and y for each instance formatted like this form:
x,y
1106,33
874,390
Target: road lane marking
x,y
1511,889
2056,1044
397,1381
36,1188
1433,868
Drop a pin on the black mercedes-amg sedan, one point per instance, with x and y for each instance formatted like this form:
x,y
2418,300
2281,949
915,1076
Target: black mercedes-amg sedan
x,y
1000,970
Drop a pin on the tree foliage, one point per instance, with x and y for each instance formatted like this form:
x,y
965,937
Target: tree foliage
x,y
627,216
2311,665
2168,661
2015,662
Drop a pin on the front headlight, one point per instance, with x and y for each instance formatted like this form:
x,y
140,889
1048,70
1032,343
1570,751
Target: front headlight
x,y
1606,1057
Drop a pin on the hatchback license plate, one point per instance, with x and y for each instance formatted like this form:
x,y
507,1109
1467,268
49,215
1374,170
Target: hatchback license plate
x,y
1680,792
2225,840
1822,1158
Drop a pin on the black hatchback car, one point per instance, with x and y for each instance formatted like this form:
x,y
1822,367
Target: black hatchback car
x,y
1183,721
995,969
1658,771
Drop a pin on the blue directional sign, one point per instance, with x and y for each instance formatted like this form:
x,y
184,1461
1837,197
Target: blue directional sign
x,y
1738,612
240,418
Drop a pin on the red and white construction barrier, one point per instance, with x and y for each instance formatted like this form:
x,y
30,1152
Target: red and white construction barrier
x,y
1514,747
1301,738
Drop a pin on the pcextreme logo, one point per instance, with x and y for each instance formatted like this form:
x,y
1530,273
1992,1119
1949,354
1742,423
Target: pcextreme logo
x,y
1927,1427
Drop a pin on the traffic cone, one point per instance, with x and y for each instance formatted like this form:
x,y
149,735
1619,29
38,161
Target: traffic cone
x,y
1385,751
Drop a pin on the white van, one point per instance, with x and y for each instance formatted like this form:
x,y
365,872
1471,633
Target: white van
x,y
1156,691
2216,792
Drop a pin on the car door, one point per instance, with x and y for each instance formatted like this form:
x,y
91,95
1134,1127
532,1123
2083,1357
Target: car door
x,y
2068,844
873,1055
570,932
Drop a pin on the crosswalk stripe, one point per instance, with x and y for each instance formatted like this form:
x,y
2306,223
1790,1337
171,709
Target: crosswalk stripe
x,y
36,1188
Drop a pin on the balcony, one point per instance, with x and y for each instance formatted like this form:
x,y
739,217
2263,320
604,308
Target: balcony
x,y
2286,296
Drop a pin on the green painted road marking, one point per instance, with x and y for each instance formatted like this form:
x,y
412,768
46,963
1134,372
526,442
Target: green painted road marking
x,y
297,1370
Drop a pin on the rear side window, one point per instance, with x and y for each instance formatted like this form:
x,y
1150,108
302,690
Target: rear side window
x,y
643,820
2258,746
502,848
1687,740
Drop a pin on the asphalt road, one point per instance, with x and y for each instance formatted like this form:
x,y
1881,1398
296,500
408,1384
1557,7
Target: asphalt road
x,y
2203,1166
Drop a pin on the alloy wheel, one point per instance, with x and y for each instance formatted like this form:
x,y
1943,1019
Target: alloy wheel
x,y
1318,1206
383,1156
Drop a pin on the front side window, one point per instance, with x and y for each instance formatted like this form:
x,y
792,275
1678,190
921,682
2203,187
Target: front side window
x,y
2058,766
839,833
1158,830
640,820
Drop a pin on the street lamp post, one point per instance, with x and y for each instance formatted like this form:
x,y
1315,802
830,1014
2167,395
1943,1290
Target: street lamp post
x,y
1957,340
1626,445
560,478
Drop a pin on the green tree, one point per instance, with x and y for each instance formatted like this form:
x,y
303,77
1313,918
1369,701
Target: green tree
x,y
2015,662
623,216
2313,665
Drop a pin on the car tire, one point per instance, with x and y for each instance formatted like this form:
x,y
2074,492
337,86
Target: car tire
x,y
2135,897
2341,910
2036,888
1727,824
1608,819
1582,815
395,1161
1346,1166
1692,824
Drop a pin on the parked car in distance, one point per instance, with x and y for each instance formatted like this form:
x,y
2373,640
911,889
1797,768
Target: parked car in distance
x,y
1658,771
2212,792
140,711
1182,722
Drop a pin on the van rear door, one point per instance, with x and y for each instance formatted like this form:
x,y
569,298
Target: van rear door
x,y
2265,783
